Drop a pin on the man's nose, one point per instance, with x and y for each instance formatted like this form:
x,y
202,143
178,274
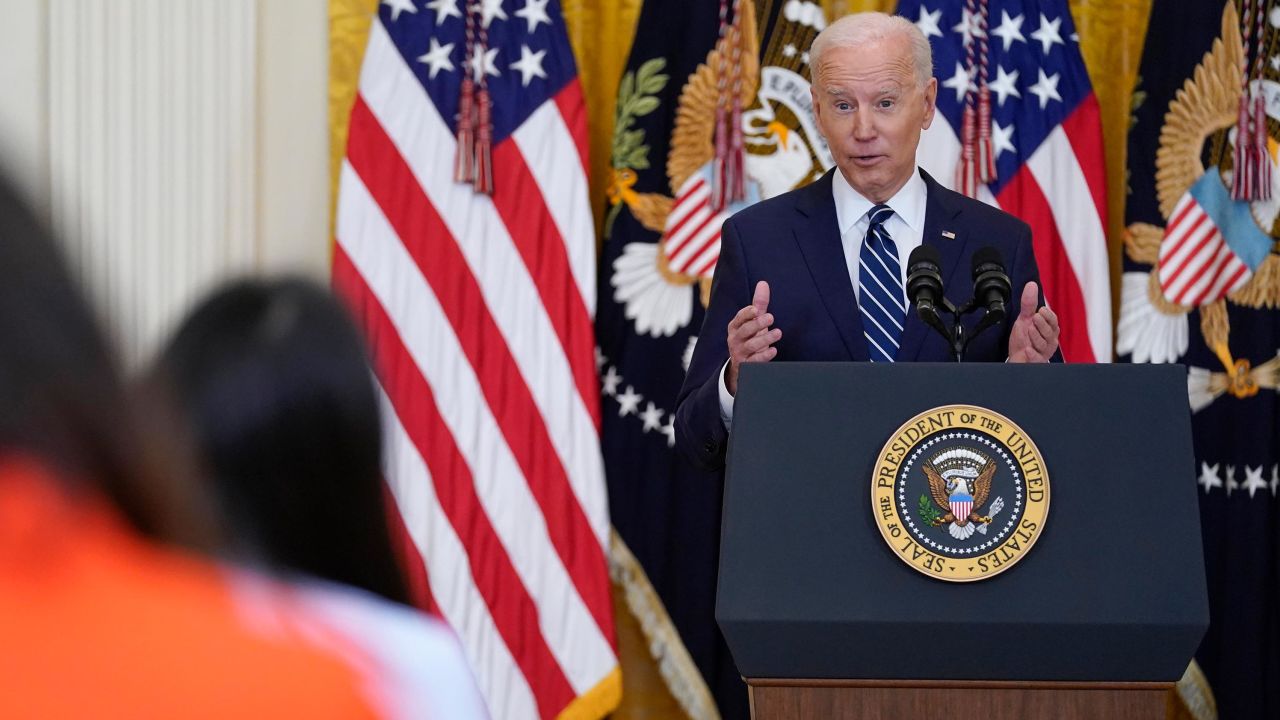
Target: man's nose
x,y
864,127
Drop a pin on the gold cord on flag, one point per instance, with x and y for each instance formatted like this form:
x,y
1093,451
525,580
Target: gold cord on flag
x,y
977,159
728,181
473,163
1251,171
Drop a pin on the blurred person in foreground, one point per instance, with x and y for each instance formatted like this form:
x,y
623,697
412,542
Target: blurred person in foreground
x,y
101,615
271,379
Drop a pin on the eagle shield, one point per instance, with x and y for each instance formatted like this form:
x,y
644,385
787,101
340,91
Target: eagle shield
x,y
960,481
961,505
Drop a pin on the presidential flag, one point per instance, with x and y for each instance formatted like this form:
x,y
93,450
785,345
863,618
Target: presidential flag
x,y
1201,287
465,245
714,113
1014,96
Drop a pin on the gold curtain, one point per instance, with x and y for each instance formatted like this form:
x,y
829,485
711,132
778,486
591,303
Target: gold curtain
x,y
839,8
349,22
1111,37
600,32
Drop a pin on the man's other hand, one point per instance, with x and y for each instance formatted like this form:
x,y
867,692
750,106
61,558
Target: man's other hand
x,y
1034,337
751,336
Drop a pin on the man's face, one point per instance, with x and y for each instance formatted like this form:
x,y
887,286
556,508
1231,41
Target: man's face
x,y
871,110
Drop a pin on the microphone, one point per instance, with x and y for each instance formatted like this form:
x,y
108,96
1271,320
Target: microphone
x,y
924,287
991,287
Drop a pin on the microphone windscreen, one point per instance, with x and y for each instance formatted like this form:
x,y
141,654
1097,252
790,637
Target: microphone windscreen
x,y
925,253
987,256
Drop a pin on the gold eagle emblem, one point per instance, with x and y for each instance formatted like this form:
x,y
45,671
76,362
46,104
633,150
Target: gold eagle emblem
x,y
1204,111
943,489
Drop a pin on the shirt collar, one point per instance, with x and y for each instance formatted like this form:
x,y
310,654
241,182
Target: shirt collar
x,y
908,203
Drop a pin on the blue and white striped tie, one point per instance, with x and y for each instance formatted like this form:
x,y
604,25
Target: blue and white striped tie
x,y
880,289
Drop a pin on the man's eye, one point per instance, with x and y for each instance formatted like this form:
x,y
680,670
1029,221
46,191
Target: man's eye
x,y
886,103
843,106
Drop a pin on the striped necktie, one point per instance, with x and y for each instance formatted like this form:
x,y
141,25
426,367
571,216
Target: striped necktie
x,y
880,288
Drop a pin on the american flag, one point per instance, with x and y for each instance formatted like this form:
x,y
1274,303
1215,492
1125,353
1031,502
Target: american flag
x,y
691,240
478,311
1197,265
1047,140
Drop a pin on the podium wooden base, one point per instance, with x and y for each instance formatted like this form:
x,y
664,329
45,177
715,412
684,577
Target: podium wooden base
x,y
773,699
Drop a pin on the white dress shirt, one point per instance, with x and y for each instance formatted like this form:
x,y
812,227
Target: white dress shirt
x,y
905,226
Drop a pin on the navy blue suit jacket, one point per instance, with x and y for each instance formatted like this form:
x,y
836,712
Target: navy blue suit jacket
x,y
793,242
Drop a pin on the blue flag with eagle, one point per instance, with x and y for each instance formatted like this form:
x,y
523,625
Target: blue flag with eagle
x,y
714,113
1201,287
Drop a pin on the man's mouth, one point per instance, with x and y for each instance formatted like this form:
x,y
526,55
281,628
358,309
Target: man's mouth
x,y
867,160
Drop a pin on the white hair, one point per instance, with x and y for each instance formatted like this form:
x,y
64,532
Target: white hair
x,y
862,28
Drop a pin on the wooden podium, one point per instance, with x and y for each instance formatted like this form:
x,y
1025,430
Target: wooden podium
x,y
1099,618
890,700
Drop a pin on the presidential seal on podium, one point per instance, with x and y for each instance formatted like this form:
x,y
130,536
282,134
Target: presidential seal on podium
x,y
960,493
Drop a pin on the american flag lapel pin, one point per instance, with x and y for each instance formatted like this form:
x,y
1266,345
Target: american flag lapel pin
x,y
948,235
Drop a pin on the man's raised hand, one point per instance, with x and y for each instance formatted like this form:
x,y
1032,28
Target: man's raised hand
x,y
1034,337
751,336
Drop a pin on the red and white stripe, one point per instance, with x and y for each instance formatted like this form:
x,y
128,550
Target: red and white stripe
x,y
478,313
1061,193
961,509
1196,266
691,240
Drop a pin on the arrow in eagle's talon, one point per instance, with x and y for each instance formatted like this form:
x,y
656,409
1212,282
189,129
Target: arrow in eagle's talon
x,y
996,507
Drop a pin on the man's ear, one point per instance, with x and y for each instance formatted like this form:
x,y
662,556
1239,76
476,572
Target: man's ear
x,y
817,105
930,102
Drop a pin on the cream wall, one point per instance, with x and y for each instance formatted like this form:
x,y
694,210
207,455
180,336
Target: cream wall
x,y
170,143
293,133
24,98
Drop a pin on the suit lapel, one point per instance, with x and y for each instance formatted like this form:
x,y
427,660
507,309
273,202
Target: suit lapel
x,y
818,235
940,215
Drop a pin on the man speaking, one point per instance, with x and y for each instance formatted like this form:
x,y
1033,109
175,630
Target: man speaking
x,y
819,273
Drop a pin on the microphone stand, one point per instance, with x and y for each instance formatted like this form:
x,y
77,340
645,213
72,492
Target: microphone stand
x,y
957,337
991,294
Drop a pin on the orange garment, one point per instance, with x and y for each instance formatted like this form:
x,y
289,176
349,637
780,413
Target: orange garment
x,y
96,622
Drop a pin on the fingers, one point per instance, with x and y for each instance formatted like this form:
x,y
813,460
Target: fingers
x,y
1048,331
761,341
761,299
1041,344
751,337
1050,317
1022,341
1035,333
751,334
1034,337
744,315
764,355
750,326
1030,298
